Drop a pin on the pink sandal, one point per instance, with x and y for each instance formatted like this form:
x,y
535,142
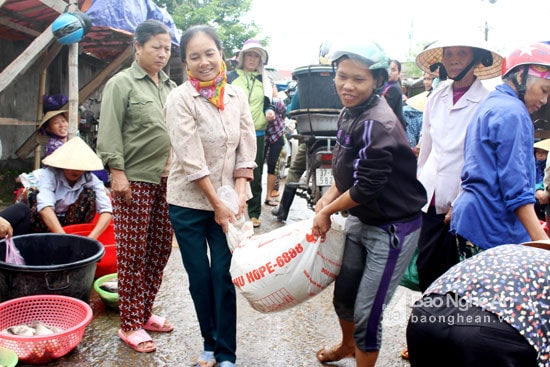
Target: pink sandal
x,y
157,323
135,340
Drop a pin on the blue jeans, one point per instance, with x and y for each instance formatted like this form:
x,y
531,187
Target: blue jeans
x,y
210,283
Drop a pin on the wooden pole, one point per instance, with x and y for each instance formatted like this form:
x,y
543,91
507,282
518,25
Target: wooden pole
x,y
105,73
27,147
57,5
25,59
41,91
46,60
74,119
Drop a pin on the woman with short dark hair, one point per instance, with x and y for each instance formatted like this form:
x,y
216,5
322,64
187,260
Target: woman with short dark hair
x,y
134,145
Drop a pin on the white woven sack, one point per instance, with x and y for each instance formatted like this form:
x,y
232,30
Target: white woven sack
x,y
282,268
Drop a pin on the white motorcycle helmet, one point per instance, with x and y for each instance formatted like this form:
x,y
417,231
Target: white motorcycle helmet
x,y
324,49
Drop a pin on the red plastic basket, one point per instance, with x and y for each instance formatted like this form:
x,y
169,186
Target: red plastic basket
x,y
68,314
107,264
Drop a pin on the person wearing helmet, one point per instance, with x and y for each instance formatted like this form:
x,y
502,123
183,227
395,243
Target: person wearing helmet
x,y
375,180
447,113
496,202
324,49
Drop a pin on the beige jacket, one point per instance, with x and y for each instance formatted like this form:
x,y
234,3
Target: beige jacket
x,y
207,142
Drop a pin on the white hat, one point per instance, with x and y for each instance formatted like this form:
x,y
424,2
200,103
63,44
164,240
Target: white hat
x,y
74,154
434,54
252,45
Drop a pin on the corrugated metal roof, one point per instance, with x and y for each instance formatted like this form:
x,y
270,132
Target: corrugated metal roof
x,y
27,19
19,18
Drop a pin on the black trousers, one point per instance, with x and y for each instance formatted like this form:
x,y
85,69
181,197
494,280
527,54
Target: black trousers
x,y
440,334
19,216
437,250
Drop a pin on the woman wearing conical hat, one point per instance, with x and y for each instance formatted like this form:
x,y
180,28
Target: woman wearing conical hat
x,y
461,65
68,193
53,131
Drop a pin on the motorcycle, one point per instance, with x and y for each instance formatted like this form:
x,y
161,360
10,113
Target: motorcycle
x,y
315,108
316,122
319,142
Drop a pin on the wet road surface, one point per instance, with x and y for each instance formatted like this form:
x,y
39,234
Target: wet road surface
x,y
280,339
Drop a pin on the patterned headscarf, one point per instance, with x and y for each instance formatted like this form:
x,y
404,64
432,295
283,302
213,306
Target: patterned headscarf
x,y
213,90
539,71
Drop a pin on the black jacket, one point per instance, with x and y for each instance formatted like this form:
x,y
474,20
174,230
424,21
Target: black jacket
x,y
394,96
373,159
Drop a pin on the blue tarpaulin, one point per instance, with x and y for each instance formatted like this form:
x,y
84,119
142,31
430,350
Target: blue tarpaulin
x,y
127,14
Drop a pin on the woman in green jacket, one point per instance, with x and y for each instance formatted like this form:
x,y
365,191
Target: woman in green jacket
x,y
133,144
250,76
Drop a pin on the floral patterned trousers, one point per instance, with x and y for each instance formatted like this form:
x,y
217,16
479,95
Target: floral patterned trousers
x,y
143,236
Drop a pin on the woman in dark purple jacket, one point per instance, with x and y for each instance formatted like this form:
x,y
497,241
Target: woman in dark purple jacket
x,y
375,180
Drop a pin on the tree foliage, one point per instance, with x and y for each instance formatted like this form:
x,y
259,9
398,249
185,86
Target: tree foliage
x,y
226,16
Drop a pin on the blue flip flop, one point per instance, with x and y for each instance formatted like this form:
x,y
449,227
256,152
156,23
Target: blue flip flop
x,y
206,359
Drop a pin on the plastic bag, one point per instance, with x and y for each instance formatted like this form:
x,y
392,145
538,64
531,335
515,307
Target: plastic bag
x,y
31,179
13,256
238,232
240,229
410,278
52,102
282,268
229,197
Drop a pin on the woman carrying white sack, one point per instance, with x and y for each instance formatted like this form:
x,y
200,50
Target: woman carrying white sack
x,y
374,172
213,141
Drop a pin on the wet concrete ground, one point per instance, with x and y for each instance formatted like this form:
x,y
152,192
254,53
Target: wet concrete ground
x,y
281,339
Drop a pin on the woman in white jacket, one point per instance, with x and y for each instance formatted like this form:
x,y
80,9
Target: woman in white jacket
x,y
448,112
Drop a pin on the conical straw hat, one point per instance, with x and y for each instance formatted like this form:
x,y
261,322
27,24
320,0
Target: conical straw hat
x,y
48,115
434,53
74,154
42,138
543,244
543,144
418,102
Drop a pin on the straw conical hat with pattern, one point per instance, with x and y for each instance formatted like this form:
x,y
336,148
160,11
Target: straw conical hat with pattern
x,y
418,102
434,54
